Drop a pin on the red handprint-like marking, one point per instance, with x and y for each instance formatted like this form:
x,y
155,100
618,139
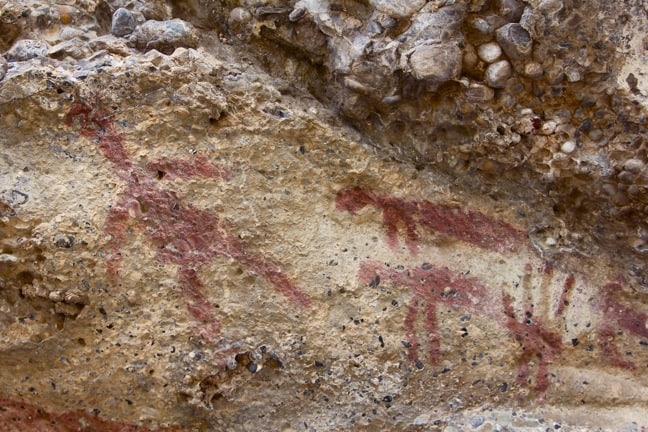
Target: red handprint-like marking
x,y
180,233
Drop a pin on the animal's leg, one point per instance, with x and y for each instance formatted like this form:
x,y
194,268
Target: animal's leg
x,y
271,271
410,331
431,327
198,305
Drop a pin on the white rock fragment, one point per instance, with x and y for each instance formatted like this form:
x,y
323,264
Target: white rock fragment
x,y
489,52
533,70
497,74
548,127
8,259
568,147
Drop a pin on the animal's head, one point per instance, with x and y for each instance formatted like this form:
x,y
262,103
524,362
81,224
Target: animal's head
x,y
354,199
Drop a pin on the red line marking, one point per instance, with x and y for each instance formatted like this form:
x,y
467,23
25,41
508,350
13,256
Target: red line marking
x,y
565,296
25,417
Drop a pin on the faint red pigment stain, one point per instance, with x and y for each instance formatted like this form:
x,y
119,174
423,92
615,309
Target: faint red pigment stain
x,y
451,220
23,417
615,315
180,233
431,285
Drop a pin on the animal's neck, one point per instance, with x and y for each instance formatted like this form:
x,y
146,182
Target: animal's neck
x,y
113,149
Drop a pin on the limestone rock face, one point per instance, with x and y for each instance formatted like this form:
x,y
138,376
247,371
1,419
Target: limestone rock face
x,y
322,215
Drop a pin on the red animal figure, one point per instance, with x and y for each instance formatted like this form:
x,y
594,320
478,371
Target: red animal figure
x,y
180,233
465,225
431,285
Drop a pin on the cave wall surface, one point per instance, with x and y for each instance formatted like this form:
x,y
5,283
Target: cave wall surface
x,y
323,215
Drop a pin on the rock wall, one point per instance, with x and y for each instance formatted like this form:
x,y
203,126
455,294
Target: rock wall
x,y
323,215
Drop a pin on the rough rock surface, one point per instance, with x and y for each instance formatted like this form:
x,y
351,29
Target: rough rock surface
x,y
322,215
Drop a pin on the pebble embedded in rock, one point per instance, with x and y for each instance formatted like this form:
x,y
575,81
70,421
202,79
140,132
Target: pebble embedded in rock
x,y
533,70
164,36
476,421
573,74
436,63
297,14
489,52
123,22
633,165
238,22
497,74
595,135
482,26
514,40
479,93
27,49
568,147
240,15
75,48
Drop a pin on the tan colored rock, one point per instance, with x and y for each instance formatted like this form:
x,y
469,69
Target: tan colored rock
x,y
436,63
280,233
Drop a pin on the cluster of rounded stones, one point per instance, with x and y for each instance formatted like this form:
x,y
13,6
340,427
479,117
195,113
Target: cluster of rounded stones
x,y
134,27
502,38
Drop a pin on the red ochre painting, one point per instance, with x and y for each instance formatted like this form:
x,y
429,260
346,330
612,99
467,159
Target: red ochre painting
x,y
180,233
536,329
23,417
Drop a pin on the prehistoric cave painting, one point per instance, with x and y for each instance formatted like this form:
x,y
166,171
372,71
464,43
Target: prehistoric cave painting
x,y
24,417
432,285
538,329
535,321
451,220
618,315
180,233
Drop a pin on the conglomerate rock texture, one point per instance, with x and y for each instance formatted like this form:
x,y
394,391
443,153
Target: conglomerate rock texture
x,y
323,215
